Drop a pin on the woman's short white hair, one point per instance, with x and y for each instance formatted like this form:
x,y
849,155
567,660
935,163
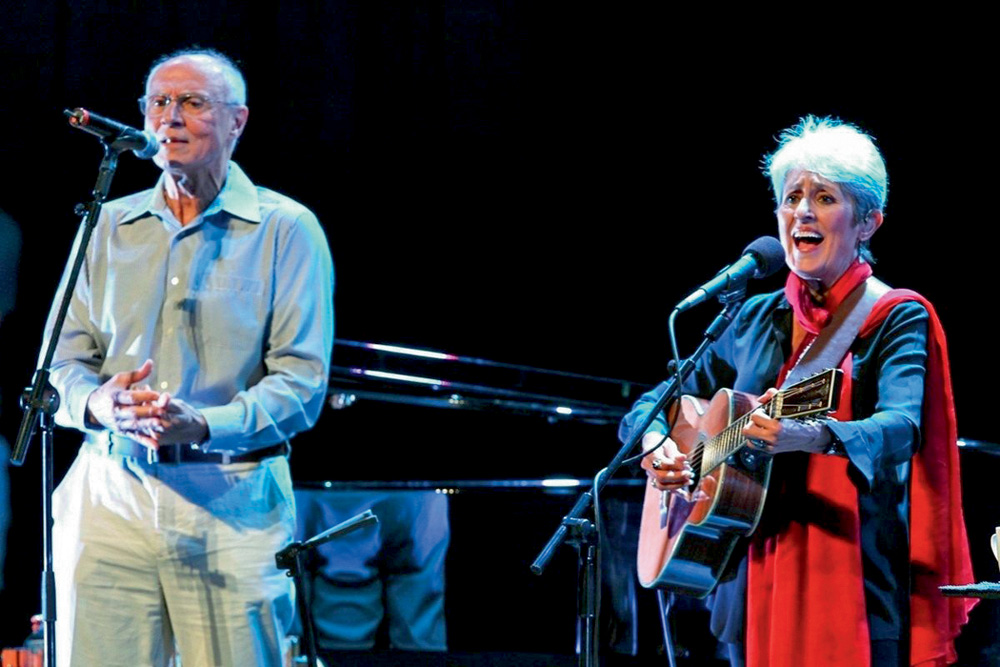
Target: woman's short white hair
x,y
839,152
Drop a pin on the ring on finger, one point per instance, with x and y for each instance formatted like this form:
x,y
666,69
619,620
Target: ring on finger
x,y
657,463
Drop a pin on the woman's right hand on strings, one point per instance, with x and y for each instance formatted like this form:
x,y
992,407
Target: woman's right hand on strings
x,y
666,467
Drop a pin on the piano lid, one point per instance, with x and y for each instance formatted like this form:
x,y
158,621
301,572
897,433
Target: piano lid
x,y
428,378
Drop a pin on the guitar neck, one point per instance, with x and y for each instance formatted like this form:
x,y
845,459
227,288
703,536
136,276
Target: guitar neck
x,y
727,443
815,395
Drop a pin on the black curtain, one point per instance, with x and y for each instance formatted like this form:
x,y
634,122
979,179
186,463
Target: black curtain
x,y
509,180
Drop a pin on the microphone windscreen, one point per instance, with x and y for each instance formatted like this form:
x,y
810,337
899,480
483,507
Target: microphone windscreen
x,y
769,253
151,147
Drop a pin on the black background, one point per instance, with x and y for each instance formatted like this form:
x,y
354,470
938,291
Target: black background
x,y
507,180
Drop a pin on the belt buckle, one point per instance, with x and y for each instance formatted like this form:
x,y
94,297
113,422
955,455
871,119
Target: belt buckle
x,y
197,455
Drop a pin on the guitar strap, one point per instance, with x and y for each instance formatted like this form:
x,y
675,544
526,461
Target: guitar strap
x,y
829,347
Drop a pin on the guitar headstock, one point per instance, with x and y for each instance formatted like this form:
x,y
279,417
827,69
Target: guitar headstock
x,y
813,395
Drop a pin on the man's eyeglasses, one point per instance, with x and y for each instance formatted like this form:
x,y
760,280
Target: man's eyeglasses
x,y
190,104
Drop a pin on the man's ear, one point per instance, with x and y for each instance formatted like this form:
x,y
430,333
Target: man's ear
x,y
240,115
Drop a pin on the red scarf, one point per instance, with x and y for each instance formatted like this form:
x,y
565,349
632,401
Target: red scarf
x,y
805,598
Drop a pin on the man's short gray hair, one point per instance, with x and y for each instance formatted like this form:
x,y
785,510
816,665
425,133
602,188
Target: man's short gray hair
x,y
231,73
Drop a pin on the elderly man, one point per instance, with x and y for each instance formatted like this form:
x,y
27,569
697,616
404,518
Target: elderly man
x,y
197,343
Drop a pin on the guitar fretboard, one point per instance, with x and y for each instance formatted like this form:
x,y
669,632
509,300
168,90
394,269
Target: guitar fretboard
x,y
810,396
710,454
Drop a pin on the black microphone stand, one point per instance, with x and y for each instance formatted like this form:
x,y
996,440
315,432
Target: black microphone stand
x,y
292,558
40,401
580,531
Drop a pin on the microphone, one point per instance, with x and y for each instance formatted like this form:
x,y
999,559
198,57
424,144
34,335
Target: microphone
x,y
762,258
123,137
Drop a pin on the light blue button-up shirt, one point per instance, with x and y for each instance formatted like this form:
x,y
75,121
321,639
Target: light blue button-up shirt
x,y
235,309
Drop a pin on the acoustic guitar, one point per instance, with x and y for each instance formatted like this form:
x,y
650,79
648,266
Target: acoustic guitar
x,y
684,543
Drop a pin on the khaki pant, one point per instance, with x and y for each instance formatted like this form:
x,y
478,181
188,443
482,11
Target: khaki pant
x,y
152,558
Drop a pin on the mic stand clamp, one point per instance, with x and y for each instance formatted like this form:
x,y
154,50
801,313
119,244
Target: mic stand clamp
x,y
292,558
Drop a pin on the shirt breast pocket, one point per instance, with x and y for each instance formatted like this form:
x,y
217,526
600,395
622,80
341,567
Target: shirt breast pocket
x,y
230,312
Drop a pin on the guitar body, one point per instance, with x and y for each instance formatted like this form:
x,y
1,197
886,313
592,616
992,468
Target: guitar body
x,y
684,545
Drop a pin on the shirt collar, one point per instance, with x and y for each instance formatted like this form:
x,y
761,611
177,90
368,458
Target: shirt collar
x,y
238,197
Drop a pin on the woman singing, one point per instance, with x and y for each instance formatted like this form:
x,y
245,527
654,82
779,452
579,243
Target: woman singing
x,y
863,518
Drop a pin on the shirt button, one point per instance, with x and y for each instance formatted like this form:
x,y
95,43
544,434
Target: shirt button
x,y
163,385
174,280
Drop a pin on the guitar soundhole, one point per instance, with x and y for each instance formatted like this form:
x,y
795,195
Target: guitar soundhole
x,y
752,459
